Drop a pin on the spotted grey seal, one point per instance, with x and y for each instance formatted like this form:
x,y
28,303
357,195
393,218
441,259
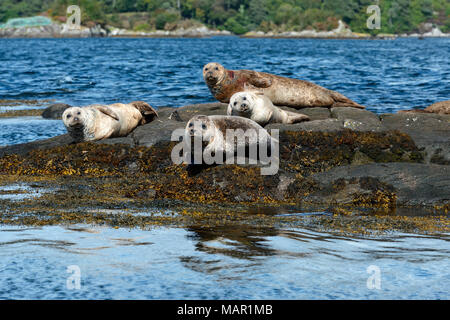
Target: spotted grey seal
x,y
97,122
214,132
257,107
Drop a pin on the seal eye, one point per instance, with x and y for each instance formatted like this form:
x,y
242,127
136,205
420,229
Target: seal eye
x,y
235,103
206,69
79,113
68,116
244,98
190,125
203,126
217,68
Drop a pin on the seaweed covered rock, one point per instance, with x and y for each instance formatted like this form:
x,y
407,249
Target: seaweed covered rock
x,y
386,185
380,162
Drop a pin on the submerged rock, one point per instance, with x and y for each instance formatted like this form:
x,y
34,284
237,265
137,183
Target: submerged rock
x,y
55,111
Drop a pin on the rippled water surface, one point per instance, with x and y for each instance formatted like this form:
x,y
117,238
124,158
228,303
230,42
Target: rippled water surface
x,y
218,263
383,75
26,129
213,263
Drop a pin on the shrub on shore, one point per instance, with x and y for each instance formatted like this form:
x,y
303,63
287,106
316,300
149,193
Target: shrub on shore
x,y
397,16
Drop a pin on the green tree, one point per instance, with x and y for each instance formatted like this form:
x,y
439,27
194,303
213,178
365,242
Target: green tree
x,y
397,16
258,11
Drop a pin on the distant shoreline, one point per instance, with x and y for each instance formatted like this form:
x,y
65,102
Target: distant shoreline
x,y
55,30
158,36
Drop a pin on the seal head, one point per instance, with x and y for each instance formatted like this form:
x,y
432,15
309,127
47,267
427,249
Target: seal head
x,y
74,117
214,73
242,104
202,127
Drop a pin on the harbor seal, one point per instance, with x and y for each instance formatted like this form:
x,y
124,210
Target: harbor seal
x,y
442,107
281,91
97,122
257,107
225,136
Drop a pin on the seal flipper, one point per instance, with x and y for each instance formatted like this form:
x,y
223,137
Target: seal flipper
x,y
148,113
108,112
255,79
296,117
342,101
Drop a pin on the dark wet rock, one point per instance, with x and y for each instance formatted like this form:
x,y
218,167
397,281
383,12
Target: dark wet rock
x,y
55,111
326,125
187,112
164,113
207,109
431,133
357,119
24,148
383,164
312,113
129,140
407,184
156,131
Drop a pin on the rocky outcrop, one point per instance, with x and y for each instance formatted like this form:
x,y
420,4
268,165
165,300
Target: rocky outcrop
x,y
55,111
413,184
342,157
52,31
194,32
56,30
344,32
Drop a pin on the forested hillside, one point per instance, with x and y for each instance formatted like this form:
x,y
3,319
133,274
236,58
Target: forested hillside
x,y
240,16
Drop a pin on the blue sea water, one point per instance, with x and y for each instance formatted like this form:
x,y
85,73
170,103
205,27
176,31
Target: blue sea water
x,y
214,263
383,75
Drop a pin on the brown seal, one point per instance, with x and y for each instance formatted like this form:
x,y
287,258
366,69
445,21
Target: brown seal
x,y
97,122
257,107
281,91
442,107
